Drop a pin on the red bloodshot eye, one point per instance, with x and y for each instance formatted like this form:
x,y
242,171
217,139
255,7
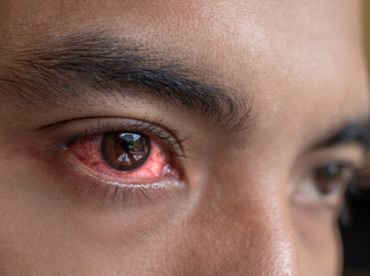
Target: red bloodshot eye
x,y
125,155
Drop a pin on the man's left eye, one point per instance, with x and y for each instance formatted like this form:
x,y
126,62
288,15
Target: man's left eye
x,y
332,178
324,184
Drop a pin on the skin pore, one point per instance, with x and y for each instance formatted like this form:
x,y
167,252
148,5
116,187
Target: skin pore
x,y
244,99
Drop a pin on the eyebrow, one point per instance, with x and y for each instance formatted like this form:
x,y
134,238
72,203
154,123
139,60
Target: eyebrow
x,y
54,70
355,131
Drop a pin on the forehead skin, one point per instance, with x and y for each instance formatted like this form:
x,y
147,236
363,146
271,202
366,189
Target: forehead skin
x,y
251,39
302,64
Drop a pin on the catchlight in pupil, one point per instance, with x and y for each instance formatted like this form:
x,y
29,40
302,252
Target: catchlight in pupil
x,y
125,151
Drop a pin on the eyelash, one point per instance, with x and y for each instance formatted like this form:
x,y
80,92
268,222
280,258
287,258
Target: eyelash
x,y
172,145
141,191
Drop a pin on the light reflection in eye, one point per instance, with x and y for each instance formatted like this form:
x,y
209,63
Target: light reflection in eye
x,y
143,165
125,151
125,166
124,155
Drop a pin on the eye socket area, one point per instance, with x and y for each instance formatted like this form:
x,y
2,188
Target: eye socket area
x,y
320,177
324,184
124,155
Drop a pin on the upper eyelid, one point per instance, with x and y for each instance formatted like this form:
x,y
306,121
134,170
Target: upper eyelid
x,y
102,125
347,153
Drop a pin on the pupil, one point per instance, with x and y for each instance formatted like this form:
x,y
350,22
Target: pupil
x,y
125,145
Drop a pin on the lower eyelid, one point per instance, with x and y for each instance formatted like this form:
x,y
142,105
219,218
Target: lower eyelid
x,y
133,194
83,184
75,182
93,178
308,195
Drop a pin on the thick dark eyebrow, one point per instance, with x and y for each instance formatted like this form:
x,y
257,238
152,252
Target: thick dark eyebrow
x,y
55,70
356,131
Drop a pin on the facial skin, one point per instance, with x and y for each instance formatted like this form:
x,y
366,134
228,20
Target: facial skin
x,y
295,71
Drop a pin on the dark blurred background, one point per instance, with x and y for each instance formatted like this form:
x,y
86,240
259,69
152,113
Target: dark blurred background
x,y
356,236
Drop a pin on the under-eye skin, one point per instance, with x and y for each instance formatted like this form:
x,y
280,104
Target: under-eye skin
x,y
122,160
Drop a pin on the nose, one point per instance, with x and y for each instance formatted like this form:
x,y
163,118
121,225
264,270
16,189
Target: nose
x,y
270,247
243,233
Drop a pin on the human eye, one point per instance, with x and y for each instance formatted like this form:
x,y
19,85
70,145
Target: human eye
x,y
331,180
326,184
132,162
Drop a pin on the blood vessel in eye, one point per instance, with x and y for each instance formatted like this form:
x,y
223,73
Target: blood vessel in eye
x,y
123,155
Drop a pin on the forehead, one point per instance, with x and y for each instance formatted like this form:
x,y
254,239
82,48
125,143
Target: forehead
x,y
296,59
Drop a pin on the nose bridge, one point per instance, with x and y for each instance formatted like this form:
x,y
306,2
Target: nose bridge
x,y
249,235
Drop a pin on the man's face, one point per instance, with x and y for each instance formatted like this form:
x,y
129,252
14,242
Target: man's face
x,y
177,137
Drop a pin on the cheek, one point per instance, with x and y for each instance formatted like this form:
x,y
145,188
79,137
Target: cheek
x,y
318,241
89,155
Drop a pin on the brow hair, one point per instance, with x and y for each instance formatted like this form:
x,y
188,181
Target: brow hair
x,y
54,69
353,131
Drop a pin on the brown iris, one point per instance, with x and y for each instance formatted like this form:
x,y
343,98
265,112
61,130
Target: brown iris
x,y
330,178
125,151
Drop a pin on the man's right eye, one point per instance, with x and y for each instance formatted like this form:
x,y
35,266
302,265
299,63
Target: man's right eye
x,y
124,156
121,159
